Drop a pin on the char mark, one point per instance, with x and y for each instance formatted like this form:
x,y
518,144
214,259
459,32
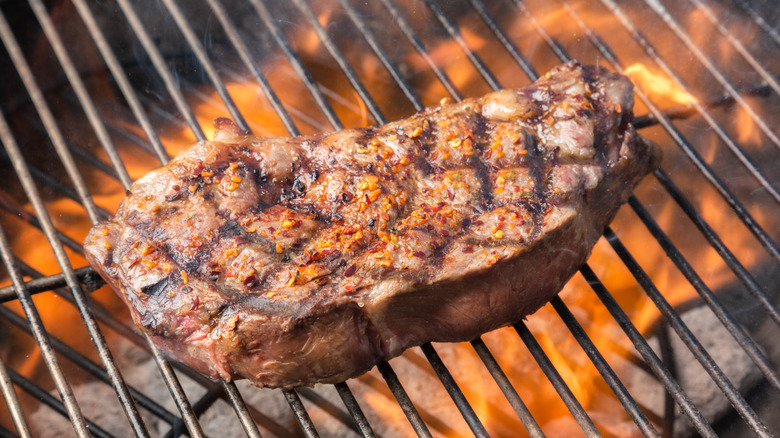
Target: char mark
x,y
479,128
156,289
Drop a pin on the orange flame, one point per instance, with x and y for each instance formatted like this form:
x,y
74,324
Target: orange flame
x,y
658,86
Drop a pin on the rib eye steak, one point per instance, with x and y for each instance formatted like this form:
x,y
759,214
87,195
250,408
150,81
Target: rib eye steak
x,y
292,261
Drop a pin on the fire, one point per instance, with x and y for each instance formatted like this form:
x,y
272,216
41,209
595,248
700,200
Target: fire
x,y
514,358
658,86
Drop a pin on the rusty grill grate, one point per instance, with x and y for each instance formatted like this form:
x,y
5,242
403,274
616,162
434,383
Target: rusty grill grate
x,y
75,285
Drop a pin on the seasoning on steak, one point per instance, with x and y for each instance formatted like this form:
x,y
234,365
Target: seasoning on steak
x,y
292,261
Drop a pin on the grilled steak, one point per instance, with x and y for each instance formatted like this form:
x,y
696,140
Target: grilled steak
x,y
292,261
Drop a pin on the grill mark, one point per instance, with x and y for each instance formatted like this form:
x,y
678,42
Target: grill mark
x,y
540,170
477,160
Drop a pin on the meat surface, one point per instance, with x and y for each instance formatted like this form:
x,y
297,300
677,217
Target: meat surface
x,y
292,261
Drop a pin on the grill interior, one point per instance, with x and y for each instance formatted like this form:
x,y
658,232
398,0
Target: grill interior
x,y
95,95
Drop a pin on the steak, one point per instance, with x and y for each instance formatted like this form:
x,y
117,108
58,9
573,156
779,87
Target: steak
x,y
293,261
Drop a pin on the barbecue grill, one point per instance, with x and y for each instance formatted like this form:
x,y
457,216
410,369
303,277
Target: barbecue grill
x,y
116,88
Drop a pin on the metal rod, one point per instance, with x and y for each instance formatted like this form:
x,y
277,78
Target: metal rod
x,y
675,27
86,275
300,413
12,401
74,78
389,65
48,119
736,331
125,399
647,353
767,76
563,390
455,393
528,420
121,79
756,16
88,365
297,64
715,241
604,369
510,47
241,410
689,150
162,69
205,62
700,107
454,32
403,400
342,62
90,429
249,61
421,49
688,338
354,409
25,300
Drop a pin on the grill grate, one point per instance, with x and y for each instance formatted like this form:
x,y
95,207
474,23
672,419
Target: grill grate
x,y
74,285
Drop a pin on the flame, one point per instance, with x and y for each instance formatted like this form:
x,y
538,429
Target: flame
x,y
658,86
512,355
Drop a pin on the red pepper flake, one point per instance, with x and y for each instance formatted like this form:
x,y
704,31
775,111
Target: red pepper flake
x,y
350,271
429,227
419,254
445,233
198,168
349,287
468,249
250,281
450,194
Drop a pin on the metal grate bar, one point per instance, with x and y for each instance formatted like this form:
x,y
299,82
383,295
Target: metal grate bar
x,y
744,276
746,161
557,381
121,79
681,141
297,64
91,429
682,330
80,89
91,367
354,409
403,399
510,47
128,405
455,393
25,300
48,119
647,353
249,62
161,68
205,62
604,369
12,401
528,420
768,77
664,14
241,410
22,214
177,392
454,32
300,413
712,301
389,65
200,406
336,54
771,31
419,46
